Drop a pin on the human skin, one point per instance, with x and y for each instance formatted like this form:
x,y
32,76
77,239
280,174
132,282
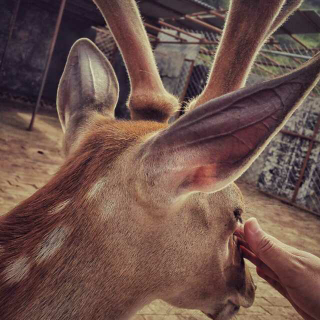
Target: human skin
x,y
292,272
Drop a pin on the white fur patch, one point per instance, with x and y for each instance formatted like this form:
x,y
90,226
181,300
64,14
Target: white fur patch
x,y
96,189
52,243
59,207
17,270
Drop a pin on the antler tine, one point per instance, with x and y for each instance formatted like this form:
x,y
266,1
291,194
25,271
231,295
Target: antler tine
x,y
148,99
288,8
248,25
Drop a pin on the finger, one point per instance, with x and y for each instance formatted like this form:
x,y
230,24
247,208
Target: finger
x,y
243,243
274,283
270,250
240,231
249,255
259,264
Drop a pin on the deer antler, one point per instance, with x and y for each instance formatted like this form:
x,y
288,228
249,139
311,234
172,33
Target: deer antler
x,y
148,100
288,8
248,25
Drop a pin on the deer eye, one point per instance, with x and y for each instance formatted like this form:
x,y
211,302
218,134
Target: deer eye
x,y
237,214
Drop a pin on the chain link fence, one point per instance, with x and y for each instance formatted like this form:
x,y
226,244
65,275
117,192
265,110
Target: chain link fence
x,y
184,79
105,42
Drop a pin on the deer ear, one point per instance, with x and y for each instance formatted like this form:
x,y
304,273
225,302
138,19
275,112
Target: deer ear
x,y
211,146
88,83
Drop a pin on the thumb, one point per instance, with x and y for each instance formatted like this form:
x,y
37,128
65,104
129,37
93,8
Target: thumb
x,y
270,250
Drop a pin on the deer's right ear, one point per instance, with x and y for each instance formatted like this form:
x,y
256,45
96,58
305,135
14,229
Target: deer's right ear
x,y
88,83
211,146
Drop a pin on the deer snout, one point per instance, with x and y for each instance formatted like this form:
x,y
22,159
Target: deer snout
x,y
246,300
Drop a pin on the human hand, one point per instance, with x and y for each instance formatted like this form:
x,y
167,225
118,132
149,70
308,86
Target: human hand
x,y
292,272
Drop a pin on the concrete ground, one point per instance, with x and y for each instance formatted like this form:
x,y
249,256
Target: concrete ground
x,y
29,159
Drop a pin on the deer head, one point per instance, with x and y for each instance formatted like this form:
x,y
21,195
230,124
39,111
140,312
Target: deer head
x,y
143,210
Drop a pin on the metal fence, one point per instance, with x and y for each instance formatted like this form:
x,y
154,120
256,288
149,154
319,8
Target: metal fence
x,y
289,169
105,42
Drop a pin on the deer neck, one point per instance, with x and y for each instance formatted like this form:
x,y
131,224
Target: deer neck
x,y
55,245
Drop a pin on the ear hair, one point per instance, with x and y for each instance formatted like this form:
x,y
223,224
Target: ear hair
x,y
88,84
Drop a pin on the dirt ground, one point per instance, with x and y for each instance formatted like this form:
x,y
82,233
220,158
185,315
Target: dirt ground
x,y
29,159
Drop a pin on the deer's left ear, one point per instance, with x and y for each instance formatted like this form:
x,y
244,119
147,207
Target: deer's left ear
x,y
88,83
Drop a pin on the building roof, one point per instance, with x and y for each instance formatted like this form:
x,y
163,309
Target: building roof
x,y
302,22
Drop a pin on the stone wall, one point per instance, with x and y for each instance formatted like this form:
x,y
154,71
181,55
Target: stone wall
x,y
26,55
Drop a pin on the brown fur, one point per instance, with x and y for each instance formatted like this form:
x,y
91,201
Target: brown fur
x,y
156,107
25,227
22,229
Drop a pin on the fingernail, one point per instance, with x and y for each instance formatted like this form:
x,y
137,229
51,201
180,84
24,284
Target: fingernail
x,y
254,225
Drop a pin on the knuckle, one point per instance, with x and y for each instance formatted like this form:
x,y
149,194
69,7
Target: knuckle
x,y
265,245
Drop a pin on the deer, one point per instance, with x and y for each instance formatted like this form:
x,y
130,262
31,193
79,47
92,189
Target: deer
x,y
143,209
